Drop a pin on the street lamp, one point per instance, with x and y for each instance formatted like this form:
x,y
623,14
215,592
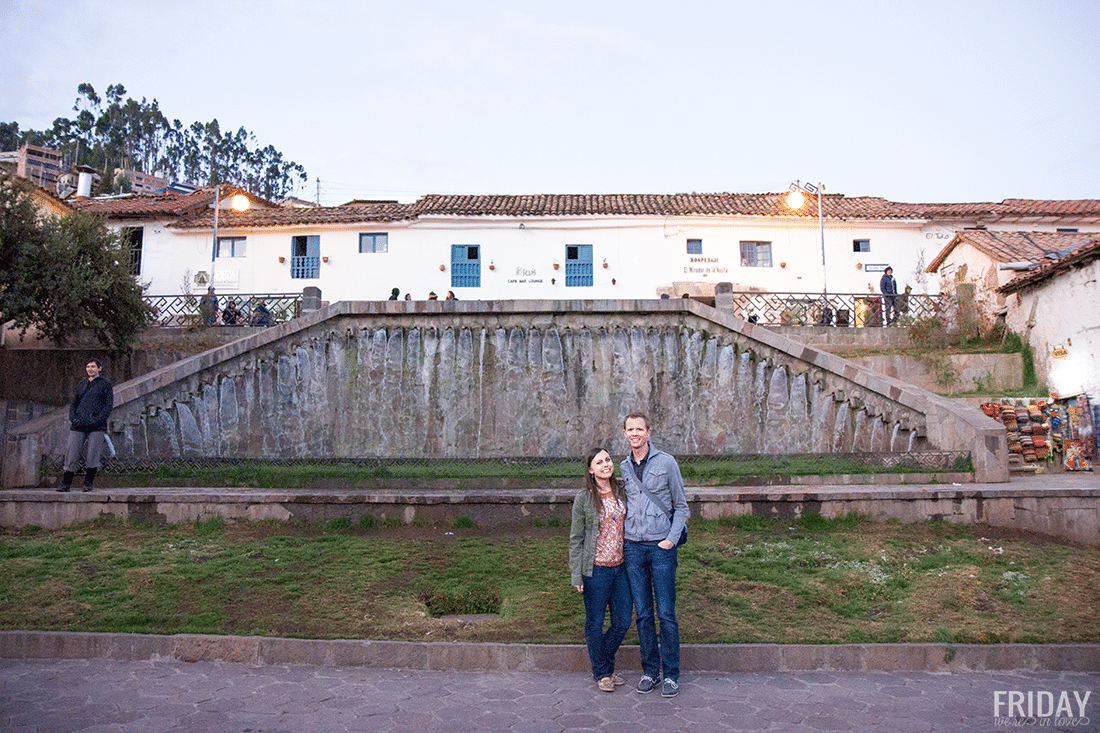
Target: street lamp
x,y
795,199
239,203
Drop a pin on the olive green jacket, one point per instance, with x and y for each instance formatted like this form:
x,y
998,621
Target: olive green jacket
x,y
582,536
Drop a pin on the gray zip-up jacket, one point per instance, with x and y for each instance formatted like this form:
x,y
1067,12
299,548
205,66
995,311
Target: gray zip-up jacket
x,y
644,521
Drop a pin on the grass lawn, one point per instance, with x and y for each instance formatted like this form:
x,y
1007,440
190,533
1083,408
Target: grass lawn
x,y
744,580
697,471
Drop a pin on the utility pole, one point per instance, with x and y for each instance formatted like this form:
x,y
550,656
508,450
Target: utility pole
x,y
318,191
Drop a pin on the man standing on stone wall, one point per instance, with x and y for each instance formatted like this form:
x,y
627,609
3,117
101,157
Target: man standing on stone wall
x,y
656,514
889,288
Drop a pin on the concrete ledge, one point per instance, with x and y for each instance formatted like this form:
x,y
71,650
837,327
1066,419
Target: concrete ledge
x,y
1059,505
732,658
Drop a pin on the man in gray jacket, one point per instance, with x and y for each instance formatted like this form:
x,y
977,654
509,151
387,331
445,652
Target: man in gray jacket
x,y
656,514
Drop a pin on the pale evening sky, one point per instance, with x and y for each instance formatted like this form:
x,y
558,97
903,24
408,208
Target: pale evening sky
x,y
929,101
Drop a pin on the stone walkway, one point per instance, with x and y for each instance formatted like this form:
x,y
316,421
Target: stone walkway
x,y
103,695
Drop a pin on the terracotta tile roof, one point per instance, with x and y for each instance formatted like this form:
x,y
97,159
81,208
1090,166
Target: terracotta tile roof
x,y
1079,256
1009,246
834,206
1009,208
298,216
163,206
193,209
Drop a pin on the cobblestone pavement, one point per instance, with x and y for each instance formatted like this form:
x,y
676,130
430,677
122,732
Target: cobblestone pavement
x,y
100,695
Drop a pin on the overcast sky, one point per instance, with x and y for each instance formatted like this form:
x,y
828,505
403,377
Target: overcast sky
x,y
928,101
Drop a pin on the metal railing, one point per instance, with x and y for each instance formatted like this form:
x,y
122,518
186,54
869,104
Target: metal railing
x,y
190,311
852,310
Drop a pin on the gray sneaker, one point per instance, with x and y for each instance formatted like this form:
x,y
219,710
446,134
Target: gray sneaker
x,y
647,683
670,689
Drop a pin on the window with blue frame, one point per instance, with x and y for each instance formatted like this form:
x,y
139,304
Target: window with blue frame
x,y
695,246
374,243
231,246
756,254
861,245
465,266
305,257
578,265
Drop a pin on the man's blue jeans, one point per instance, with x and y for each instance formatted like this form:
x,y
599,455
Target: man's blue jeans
x,y
607,588
652,573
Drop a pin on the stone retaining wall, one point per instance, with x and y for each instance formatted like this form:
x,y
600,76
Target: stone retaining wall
x,y
518,378
1071,512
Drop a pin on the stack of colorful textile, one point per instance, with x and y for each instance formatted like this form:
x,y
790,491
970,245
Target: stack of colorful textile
x,y
1056,428
1027,428
1039,428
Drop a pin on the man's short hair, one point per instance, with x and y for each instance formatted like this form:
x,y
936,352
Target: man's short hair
x,y
636,416
95,361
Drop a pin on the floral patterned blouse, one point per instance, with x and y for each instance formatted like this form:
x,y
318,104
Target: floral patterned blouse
x,y
609,541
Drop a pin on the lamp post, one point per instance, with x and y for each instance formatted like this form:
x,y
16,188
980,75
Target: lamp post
x,y
240,203
795,199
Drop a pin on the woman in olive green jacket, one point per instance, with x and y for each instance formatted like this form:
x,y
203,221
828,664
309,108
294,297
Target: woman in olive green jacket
x,y
596,565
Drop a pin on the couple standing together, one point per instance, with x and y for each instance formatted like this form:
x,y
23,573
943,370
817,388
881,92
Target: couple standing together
x,y
622,554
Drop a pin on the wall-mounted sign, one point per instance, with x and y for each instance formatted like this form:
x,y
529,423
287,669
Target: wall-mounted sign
x,y
526,276
227,279
705,266
875,268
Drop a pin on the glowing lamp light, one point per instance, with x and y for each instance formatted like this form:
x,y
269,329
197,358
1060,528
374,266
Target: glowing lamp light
x,y
795,199
240,202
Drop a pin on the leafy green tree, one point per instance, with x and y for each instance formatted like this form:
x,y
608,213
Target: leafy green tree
x,y
63,275
9,136
115,131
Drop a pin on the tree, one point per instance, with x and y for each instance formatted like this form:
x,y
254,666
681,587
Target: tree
x,y
9,136
66,274
115,131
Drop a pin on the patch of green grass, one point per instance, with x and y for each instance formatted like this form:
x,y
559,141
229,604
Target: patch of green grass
x,y
463,523
742,579
716,472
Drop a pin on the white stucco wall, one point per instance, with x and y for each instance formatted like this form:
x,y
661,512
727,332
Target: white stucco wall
x,y
1065,315
645,256
968,264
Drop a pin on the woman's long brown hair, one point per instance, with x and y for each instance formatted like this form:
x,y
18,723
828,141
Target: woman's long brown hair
x,y
590,480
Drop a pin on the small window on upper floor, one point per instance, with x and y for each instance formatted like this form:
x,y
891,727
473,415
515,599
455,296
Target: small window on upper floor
x,y
861,245
695,246
231,246
374,243
756,254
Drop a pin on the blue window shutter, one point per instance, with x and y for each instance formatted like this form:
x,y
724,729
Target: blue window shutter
x,y
305,265
465,266
578,265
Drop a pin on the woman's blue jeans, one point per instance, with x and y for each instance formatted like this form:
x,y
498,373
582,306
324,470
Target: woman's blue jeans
x,y
608,588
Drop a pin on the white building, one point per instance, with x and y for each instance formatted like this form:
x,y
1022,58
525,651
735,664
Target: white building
x,y
1055,306
989,259
558,246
